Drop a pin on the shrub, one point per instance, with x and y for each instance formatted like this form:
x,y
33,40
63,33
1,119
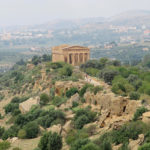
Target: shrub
x,y
134,96
51,117
90,146
11,132
11,107
15,100
84,88
44,99
79,143
16,148
75,104
108,75
81,121
71,92
139,113
74,135
128,131
51,141
31,129
58,100
145,146
96,89
22,134
4,145
121,86
66,70
2,130
82,117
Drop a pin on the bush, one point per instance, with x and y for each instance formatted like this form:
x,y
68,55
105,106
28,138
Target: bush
x,y
66,70
11,107
82,117
145,146
51,141
22,134
108,75
2,130
4,145
11,132
71,92
121,86
81,121
139,113
58,100
16,148
51,117
90,146
83,89
31,129
79,143
74,135
134,96
44,99
96,89
128,131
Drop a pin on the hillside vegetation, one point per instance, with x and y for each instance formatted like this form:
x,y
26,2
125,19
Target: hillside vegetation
x,y
103,105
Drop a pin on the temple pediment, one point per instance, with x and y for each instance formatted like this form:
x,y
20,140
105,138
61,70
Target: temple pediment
x,y
74,47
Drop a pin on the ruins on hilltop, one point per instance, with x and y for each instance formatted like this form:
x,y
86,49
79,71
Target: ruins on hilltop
x,y
74,55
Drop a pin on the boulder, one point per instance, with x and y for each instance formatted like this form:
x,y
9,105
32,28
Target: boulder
x,y
25,106
68,104
116,147
55,128
146,117
134,144
67,127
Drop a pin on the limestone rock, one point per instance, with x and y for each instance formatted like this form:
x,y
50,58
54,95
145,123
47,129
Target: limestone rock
x,y
55,128
63,86
146,117
12,140
67,127
68,104
25,106
116,147
134,144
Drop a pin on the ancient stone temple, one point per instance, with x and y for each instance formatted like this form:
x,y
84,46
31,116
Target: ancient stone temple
x,y
74,55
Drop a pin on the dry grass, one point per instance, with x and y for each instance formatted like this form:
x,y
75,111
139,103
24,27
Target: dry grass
x,y
26,144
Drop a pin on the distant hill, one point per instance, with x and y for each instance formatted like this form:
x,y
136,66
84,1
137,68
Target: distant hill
x,y
134,17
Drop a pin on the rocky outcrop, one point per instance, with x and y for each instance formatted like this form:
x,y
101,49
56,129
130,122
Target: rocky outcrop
x,y
68,104
146,117
63,86
134,144
55,128
24,107
115,105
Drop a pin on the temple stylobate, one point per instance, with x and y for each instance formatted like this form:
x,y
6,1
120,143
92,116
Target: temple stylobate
x,y
74,55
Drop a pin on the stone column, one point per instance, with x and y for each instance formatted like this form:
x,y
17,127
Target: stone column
x,y
73,59
79,59
83,57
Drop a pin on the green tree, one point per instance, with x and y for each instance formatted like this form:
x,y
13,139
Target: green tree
x,y
50,141
44,99
31,129
4,145
66,70
90,146
71,92
145,146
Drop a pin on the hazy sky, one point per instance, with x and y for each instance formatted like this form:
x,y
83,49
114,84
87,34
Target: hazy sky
x,y
19,12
